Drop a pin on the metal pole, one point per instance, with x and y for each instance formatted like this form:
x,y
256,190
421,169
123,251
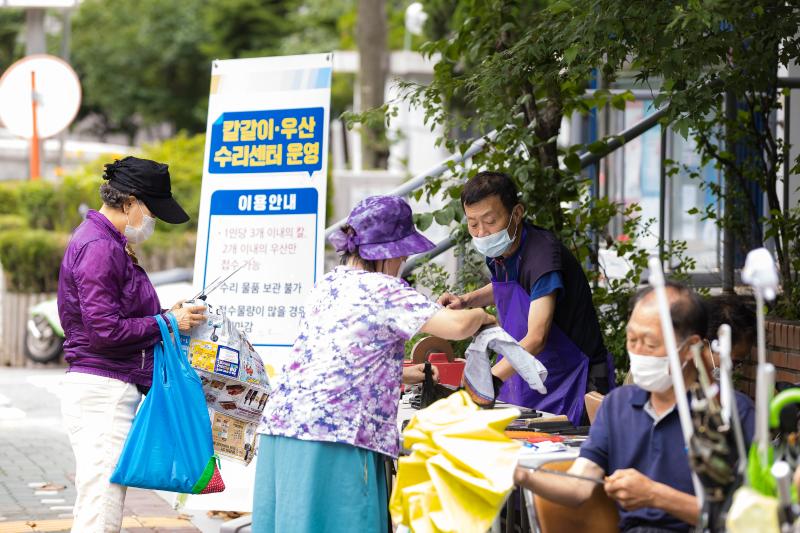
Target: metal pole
x,y
35,167
728,243
787,142
657,281
416,260
418,181
623,137
791,82
66,40
35,42
596,196
662,196
586,160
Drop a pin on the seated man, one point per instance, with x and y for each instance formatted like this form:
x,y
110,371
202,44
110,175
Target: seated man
x,y
636,444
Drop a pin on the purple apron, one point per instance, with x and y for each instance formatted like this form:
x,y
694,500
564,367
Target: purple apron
x,y
567,366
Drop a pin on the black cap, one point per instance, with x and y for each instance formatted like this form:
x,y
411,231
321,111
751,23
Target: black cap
x,y
149,182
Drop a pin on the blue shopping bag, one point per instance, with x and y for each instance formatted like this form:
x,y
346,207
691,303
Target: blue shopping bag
x,y
169,446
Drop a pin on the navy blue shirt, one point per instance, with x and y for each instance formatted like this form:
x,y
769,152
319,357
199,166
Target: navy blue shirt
x,y
624,435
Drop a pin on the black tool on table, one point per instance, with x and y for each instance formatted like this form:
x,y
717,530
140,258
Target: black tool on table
x,y
431,392
428,393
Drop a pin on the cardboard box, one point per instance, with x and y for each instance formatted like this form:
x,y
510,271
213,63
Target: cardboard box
x,y
233,438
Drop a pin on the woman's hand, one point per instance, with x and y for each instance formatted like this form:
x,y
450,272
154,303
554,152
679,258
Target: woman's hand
x,y
416,374
454,325
177,305
189,317
452,301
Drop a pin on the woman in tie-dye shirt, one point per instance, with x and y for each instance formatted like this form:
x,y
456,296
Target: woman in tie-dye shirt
x,y
332,415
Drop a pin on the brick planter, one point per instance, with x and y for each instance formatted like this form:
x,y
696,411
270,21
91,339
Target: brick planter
x,y
783,351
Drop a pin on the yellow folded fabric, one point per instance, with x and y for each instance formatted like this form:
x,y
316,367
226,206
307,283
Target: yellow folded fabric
x,y
460,471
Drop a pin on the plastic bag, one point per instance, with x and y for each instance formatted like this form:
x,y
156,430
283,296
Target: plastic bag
x,y
752,511
235,382
169,446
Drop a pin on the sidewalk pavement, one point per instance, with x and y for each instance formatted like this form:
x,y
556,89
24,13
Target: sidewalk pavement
x,y
37,467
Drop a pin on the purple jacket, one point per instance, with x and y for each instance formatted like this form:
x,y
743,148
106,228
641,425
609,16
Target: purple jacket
x,y
106,304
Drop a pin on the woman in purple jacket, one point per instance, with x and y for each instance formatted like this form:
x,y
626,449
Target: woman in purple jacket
x,y
107,305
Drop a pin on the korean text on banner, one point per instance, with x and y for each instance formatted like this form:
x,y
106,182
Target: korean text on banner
x,y
263,196
263,206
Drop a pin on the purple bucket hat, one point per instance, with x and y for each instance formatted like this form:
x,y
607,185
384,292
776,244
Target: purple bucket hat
x,y
382,228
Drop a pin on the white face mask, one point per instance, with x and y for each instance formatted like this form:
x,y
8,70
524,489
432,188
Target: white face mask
x,y
495,244
143,232
651,372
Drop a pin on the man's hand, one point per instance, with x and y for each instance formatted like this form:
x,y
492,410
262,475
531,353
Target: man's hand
x,y
521,476
416,374
631,489
452,301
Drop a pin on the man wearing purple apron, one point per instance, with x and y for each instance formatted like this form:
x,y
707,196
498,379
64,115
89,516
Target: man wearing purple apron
x,y
543,300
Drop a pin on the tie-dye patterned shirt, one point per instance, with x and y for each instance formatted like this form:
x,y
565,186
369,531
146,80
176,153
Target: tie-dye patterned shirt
x,y
342,380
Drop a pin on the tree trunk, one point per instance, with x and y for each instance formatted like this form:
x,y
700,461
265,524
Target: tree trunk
x,y
373,56
548,124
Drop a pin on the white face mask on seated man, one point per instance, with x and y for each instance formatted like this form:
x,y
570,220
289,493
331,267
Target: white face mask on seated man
x,y
652,372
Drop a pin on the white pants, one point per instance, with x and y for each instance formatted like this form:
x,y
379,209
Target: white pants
x,y
98,413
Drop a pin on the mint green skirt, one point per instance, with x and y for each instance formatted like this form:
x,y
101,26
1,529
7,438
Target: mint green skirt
x,y
318,487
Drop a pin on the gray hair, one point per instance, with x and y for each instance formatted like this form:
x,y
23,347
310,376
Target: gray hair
x,y
112,196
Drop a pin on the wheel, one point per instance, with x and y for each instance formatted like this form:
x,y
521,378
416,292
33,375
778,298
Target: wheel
x,y
45,349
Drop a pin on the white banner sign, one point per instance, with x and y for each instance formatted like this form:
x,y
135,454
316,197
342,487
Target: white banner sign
x,y
263,205
263,196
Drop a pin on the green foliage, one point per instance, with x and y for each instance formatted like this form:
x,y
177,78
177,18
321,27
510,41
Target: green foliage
x,y
788,305
140,62
11,23
55,205
31,259
342,86
703,53
245,28
320,26
154,68
54,208
9,197
12,223
471,274
39,204
518,68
